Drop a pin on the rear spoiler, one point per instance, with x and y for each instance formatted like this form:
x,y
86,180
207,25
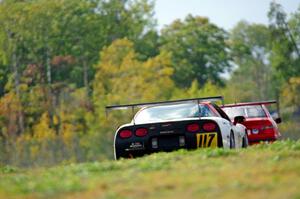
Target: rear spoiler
x,y
132,106
250,103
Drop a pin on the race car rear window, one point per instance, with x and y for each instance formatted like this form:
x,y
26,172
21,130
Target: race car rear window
x,y
246,111
171,112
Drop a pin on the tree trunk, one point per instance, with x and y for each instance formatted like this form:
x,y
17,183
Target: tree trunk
x,y
48,67
278,103
18,94
51,101
85,77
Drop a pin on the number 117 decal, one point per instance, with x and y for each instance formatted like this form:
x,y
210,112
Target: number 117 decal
x,y
207,140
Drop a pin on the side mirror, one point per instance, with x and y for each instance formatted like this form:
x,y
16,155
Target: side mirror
x,y
278,120
239,119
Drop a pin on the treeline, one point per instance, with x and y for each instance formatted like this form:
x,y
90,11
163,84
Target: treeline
x,y
62,61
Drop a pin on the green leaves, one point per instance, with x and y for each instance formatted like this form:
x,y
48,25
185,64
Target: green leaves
x,y
198,48
250,51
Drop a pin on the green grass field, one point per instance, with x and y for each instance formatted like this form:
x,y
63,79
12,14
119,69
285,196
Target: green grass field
x,y
262,171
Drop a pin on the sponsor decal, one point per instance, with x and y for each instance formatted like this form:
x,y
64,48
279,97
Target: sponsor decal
x,y
136,146
167,132
166,125
152,127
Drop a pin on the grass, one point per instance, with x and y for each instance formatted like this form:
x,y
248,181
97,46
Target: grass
x,y
262,171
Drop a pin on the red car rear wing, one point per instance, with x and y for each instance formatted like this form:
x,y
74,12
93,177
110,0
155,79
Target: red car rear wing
x,y
250,103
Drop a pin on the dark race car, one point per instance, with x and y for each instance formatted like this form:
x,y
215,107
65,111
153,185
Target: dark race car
x,y
181,124
259,122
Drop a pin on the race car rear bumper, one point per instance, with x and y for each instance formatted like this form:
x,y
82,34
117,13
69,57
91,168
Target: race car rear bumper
x,y
167,140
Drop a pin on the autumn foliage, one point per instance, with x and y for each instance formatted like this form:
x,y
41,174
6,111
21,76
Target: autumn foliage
x,y
63,61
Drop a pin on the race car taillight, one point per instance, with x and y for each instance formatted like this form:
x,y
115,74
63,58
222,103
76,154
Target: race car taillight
x,y
125,134
141,132
209,126
193,127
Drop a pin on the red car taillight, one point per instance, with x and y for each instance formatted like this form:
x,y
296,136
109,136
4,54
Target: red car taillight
x,y
209,126
193,127
268,129
125,134
141,132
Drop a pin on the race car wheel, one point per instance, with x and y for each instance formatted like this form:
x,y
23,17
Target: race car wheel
x,y
232,141
245,142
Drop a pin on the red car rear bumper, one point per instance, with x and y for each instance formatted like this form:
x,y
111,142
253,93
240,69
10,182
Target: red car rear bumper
x,y
265,137
261,140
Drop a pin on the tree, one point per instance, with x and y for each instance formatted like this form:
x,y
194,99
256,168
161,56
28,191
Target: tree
x,y
126,18
249,44
122,78
291,93
199,50
12,47
285,57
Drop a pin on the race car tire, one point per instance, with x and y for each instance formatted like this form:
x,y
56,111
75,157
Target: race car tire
x,y
245,142
232,141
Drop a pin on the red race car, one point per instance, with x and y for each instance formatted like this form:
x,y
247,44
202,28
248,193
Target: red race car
x,y
259,122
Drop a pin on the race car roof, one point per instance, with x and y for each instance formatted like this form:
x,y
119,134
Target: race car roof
x,y
250,103
140,105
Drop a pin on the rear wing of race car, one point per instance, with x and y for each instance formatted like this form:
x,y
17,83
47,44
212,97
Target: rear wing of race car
x,y
141,105
254,104
250,103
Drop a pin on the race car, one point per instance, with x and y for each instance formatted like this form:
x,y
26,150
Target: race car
x,y
181,124
261,127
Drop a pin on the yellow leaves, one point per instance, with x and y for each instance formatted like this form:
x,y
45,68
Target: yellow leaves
x,y
34,151
112,56
291,92
125,79
55,120
42,129
209,89
68,129
44,144
9,110
23,87
295,81
6,102
67,133
194,90
10,83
